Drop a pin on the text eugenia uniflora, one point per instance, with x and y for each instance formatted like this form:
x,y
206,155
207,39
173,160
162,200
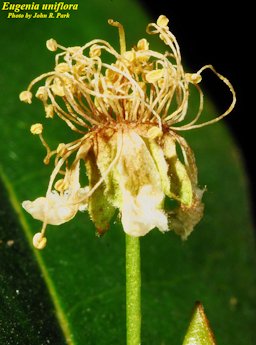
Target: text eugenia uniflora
x,y
33,6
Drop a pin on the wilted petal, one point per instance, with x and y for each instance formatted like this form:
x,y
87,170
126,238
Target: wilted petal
x,y
53,209
141,213
140,186
57,208
184,219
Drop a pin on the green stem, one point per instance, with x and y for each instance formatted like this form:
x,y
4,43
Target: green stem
x,y
133,286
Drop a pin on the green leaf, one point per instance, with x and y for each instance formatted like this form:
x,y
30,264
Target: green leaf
x,y
73,292
199,331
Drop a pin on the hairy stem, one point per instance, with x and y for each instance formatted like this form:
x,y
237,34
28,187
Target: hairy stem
x,y
133,286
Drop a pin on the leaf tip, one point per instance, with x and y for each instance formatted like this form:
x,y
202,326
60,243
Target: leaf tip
x,y
199,331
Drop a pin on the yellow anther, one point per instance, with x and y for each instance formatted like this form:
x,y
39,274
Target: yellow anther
x,y
79,68
111,75
39,241
162,21
57,88
130,55
61,185
193,78
61,149
49,111
154,75
26,96
143,44
36,128
42,94
51,45
62,67
94,51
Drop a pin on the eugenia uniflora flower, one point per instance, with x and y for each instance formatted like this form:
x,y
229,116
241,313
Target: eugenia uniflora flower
x,y
127,109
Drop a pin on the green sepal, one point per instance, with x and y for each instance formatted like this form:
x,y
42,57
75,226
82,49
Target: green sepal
x,y
175,180
100,210
105,150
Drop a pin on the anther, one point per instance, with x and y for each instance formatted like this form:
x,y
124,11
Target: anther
x,y
94,51
193,78
26,96
121,34
51,45
36,128
61,185
143,44
62,67
39,241
49,111
61,149
42,94
162,21
154,76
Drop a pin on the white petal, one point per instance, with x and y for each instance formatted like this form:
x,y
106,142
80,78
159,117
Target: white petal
x,y
58,208
141,188
141,214
54,209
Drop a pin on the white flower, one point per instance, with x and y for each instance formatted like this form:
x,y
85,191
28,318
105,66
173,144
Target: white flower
x,y
128,116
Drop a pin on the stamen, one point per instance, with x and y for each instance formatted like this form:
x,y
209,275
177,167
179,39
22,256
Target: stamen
x,y
52,45
56,171
49,153
230,108
37,129
121,35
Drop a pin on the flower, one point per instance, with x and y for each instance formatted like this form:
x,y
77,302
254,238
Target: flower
x,y
126,114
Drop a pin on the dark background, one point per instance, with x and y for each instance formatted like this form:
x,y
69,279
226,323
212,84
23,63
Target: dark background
x,y
220,33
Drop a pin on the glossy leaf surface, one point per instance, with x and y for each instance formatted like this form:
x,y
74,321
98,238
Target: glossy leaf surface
x,y
74,291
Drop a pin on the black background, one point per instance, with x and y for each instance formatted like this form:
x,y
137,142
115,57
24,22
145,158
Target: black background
x,y
220,33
